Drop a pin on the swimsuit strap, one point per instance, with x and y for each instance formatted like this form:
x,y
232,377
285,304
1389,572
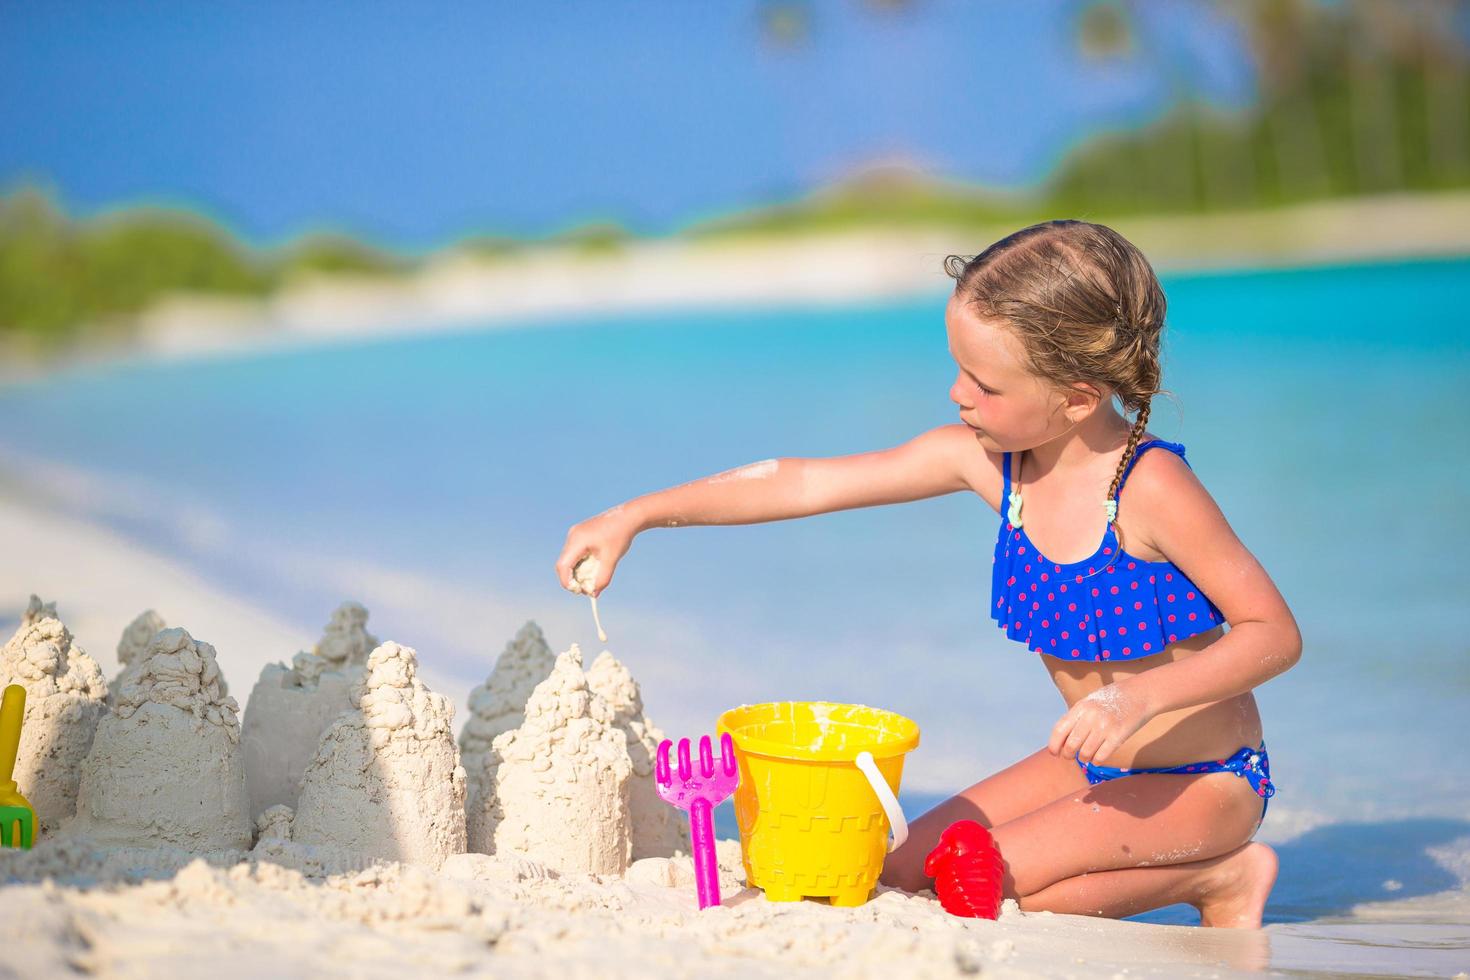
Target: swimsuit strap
x,y
1005,493
1173,447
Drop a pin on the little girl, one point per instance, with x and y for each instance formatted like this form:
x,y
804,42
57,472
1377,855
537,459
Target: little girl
x,y
1153,782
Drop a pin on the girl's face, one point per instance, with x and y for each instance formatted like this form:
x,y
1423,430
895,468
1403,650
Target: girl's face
x,y
1008,406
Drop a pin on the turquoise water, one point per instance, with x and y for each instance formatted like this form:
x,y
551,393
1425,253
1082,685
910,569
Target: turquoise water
x,y
1321,407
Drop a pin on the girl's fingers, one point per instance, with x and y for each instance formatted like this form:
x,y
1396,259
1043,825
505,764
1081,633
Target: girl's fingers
x,y
1059,733
1066,747
1074,741
566,565
1090,746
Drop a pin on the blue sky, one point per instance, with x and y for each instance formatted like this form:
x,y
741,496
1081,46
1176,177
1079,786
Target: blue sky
x,y
416,124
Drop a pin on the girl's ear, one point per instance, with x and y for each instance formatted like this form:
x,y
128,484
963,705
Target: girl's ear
x,y
1082,399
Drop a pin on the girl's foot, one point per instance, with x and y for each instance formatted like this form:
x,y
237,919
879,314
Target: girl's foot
x,y
1234,896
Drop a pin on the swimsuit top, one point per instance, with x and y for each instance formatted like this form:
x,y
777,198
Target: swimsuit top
x,y
1111,606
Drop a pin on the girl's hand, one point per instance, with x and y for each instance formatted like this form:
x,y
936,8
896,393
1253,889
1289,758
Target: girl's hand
x,y
1094,727
607,536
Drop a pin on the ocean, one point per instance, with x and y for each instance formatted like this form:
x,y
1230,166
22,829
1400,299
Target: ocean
x,y
434,477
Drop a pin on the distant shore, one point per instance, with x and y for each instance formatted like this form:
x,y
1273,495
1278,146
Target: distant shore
x,y
456,292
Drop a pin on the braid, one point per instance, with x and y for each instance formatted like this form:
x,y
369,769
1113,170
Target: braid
x,y
1136,434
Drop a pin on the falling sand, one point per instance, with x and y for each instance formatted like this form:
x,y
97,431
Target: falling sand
x,y
584,576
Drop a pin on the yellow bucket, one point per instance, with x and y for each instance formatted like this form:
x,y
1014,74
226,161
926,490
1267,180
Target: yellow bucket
x,y
818,795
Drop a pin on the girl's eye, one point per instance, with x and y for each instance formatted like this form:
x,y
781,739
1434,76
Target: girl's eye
x,y
983,389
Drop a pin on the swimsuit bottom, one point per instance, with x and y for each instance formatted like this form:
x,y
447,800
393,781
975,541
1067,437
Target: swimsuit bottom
x,y
1251,764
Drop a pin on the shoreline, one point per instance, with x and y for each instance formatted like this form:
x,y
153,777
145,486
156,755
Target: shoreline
x,y
453,293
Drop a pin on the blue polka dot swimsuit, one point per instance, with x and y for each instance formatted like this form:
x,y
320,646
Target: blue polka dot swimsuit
x,y
1110,606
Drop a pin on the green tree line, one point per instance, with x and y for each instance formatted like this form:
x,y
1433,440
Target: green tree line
x,y
57,274
1353,98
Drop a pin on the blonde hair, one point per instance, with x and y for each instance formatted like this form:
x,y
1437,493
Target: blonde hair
x,y
1085,305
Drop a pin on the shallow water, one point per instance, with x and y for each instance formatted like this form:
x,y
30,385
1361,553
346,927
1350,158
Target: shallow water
x,y
1321,408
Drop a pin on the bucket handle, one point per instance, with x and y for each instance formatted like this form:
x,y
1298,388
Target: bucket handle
x,y
899,825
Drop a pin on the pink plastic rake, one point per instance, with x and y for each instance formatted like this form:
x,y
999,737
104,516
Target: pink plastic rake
x,y
699,793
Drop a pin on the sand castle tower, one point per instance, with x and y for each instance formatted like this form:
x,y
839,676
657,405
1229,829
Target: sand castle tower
x,y
290,708
166,767
131,647
558,784
498,706
36,610
66,696
658,830
386,780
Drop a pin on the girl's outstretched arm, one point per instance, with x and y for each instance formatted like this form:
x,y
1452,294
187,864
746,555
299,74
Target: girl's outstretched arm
x,y
936,462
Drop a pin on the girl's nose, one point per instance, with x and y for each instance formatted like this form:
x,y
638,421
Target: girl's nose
x,y
954,394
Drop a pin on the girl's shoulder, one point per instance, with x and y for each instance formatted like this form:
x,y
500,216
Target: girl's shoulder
x,y
979,467
1161,486
1162,461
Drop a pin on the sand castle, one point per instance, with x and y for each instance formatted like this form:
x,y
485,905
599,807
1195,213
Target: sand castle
x,y
290,707
659,830
557,787
385,780
132,645
66,696
165,766
345,755
498,706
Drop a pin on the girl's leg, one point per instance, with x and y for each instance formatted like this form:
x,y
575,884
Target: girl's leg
x,y
1229,890
1035,781
1135,821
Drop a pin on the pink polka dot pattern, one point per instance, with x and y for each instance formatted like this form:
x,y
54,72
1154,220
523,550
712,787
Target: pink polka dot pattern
x,y
1163,605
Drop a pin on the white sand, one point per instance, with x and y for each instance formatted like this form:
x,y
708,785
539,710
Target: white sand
x,y
164,913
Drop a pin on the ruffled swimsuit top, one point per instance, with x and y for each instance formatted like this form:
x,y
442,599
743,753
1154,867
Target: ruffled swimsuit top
x,y
1111,606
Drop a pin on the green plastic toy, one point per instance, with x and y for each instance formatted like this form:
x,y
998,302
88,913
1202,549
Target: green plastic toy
x,y
17,818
